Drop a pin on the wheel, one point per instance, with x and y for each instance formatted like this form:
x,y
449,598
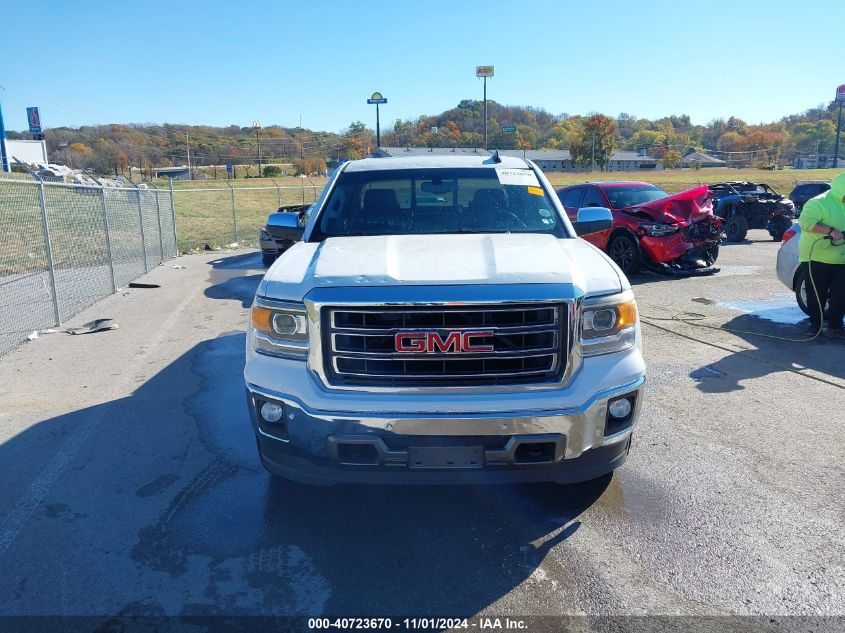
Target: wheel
x,y
801,295
711,254
737,228
625,251
268,258
801,290
778,226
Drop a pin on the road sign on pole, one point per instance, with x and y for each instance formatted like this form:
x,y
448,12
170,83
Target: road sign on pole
x,y
34,120
509,129
840,93
377,99
484,72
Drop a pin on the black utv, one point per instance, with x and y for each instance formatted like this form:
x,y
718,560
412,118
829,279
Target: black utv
x,y
746,205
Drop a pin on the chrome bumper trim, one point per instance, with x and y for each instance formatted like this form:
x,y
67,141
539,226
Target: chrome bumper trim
x,y
583,426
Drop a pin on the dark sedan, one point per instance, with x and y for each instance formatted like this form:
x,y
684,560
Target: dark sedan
x,y
276,237
805,190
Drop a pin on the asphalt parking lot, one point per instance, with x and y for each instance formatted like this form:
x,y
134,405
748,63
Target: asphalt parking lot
x,y
131,484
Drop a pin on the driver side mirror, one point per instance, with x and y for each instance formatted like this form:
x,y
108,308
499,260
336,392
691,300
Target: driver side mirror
x,y
289,224
593,220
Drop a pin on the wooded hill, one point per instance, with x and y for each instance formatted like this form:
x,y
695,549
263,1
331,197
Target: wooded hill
x,y
114,147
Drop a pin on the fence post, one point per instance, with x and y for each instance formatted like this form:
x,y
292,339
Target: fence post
x,y
173,219
46,224
160,237
279,191
234,213
141,223
302,180
108,238
105,227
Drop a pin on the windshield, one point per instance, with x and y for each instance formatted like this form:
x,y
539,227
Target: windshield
x,y
425,201
630,195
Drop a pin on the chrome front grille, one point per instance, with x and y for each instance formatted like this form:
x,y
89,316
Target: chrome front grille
x,y
527,340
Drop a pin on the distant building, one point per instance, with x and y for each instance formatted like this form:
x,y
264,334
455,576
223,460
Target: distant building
x,y
174,173
386,152
703,160
814,162
630,161
548,160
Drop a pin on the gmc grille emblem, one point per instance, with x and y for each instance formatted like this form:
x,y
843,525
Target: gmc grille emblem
x,y
431,342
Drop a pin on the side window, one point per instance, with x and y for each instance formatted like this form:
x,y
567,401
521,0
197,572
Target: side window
x,y
593,198
572,198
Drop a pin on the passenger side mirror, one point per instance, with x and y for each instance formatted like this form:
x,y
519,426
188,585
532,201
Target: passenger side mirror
x,y
288,225
592,220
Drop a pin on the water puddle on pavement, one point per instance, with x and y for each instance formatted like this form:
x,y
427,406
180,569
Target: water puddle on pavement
x,y
780,309
737,271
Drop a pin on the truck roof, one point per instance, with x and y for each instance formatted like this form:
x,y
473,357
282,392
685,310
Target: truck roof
x,y
433,162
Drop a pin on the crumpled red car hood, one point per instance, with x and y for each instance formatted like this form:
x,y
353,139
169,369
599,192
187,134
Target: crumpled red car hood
x,y
691,205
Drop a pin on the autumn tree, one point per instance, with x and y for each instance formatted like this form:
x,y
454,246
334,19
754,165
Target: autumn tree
x,y
671,159
596,142
357,140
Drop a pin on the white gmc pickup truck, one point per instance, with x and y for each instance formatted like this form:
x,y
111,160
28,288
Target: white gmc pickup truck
x,y
440,321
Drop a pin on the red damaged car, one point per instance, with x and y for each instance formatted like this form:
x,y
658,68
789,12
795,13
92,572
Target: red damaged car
x,y
677,235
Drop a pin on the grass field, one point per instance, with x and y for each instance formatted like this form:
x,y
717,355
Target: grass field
x,y
204,208
675,180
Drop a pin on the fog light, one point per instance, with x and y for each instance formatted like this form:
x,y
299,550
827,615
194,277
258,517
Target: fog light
x,y
620,408
272,412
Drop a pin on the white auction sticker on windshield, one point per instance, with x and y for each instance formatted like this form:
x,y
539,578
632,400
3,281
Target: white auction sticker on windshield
x,y
524,177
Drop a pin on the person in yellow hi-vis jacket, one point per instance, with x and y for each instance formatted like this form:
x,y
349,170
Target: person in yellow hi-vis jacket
x,y
822,251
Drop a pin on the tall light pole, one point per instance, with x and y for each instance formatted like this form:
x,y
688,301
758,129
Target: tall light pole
x,y
840,97
377,98
188,146
257,125
4,159
484,72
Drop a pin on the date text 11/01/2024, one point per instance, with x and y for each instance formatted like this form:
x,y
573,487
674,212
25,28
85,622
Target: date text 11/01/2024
x,y
481,623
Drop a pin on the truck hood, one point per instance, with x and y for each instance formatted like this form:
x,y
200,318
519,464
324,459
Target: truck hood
x,y
691,205
431,260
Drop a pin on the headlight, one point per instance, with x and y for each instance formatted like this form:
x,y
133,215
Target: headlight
x,y
608,324
658,229
280,330
264,235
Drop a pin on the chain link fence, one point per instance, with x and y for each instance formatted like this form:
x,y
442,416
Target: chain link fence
x,y
64,247
218,216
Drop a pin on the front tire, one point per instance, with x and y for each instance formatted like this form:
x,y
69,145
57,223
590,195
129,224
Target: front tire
x,y
625,251
801,290
801,294
268,258
711,254
737,228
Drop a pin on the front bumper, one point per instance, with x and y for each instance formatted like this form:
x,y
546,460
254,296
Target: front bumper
x,y
561,445
676,256
274,246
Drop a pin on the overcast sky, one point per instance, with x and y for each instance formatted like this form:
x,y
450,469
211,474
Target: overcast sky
x,y
222,63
